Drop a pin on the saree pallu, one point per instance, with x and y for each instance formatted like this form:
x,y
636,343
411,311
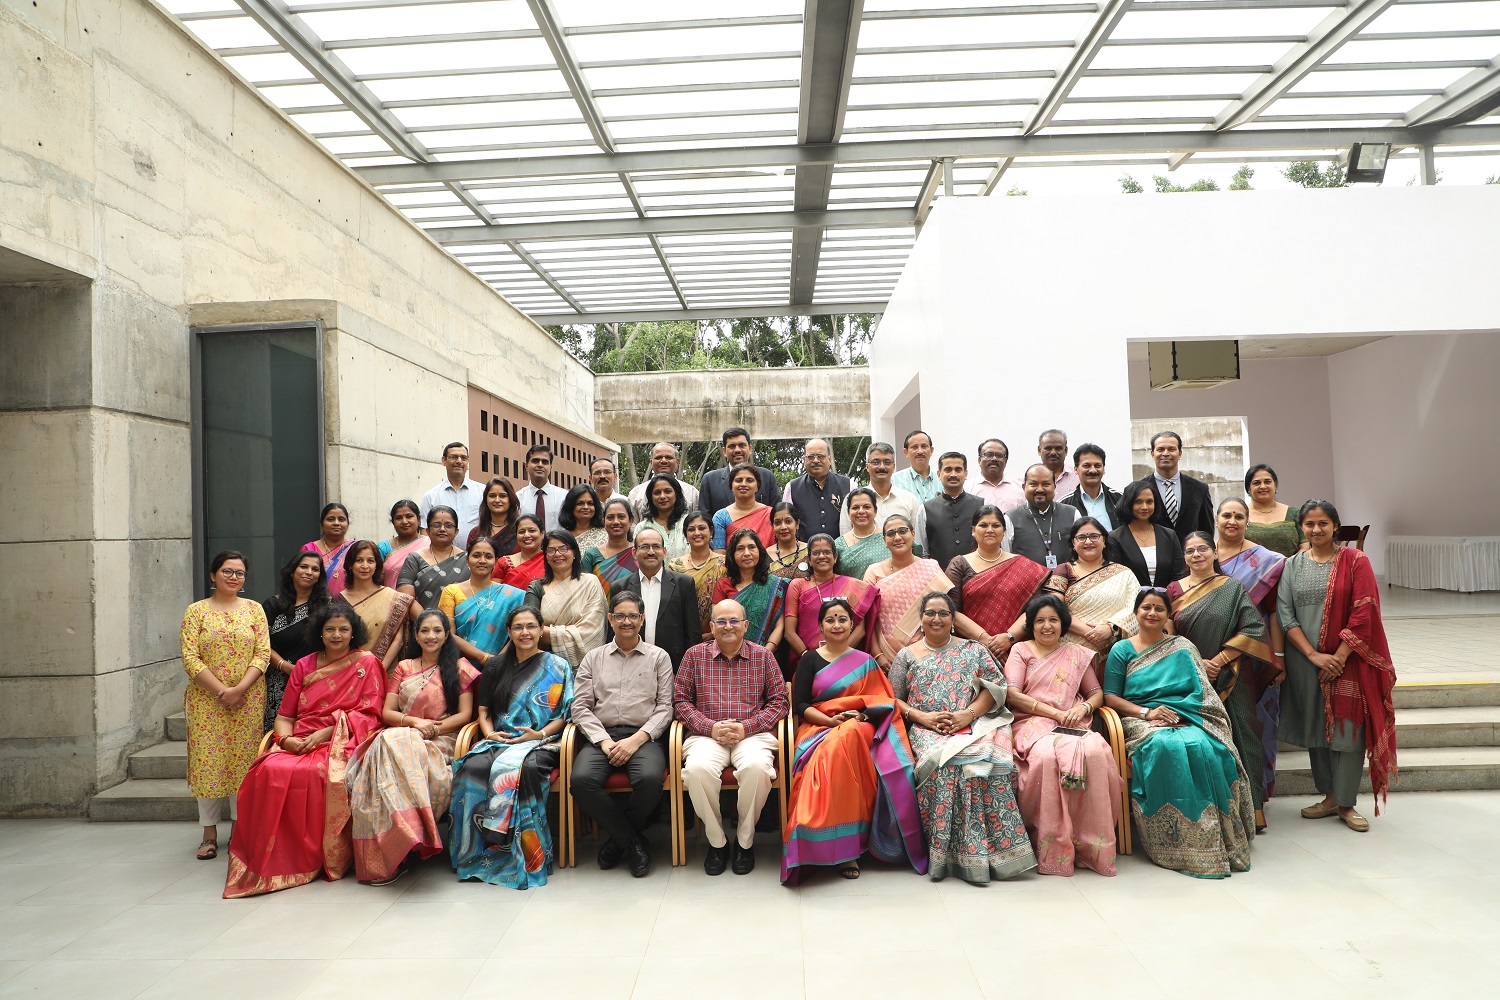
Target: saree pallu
x,y
333,563
1105,595
758,520
898,616
1189,793
384,615
611,570
1361,695
1258,569
400,783
764,604
428,579
294,809
499,833
793,565
480,617
393,558
857,556
523,574
704,576
995,598
807,598
852,785
573,611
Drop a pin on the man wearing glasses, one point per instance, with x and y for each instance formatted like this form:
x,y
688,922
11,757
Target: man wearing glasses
x,y
818,493
729,697
668,600
622,702
880,463
992,487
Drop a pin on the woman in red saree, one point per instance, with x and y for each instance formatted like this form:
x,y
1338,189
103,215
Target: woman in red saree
x,y
294,802
745,512
991,586
526,563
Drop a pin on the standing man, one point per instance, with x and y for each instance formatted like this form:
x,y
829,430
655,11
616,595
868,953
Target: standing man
x,y
729,697
950,514
668,600
1052,449
604,476
817,494
1182,502
622,703
992,487
664,462
714,495
918,479
1092,498
457,491
1039,528
539,496
880,463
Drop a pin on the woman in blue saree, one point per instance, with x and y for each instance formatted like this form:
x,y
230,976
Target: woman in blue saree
x,y
1189,793
478,607
613,561
748,580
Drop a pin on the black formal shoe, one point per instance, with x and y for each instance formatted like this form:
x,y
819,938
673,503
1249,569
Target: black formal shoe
x,y
716,859
639,859
744,860
609,854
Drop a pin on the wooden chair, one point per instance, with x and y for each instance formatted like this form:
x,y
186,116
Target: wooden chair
x,y
469,735
1106,723
618,783
266,743
1353,533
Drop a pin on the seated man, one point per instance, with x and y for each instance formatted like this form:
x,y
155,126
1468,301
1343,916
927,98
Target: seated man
x,y
622,702
730,695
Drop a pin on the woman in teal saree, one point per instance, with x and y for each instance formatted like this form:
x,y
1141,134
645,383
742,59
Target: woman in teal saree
x,y
748,580
863,546
614,561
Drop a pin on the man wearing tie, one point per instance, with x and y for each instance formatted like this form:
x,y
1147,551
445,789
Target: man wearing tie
x,y
1182,502
668,600
539,496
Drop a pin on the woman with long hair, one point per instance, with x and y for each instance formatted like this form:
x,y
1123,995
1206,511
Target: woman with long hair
x,y
788,552
300,591
748,580
1151,550
666,509
614,561
497,519
702,563
383,610
583,514
332,544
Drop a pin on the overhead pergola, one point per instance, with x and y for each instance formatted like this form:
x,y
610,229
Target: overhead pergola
x,y
779,161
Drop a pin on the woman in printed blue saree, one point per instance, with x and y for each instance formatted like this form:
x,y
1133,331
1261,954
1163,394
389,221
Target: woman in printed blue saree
x,y
478,607
747,579
500,787
852,770
1189,793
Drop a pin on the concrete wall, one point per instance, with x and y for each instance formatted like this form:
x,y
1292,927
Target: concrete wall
x,y
135,160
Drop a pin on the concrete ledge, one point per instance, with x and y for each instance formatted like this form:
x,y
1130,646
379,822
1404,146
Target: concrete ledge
x,y
1423,770
144,800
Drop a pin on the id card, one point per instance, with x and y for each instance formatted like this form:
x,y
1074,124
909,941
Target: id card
x,y
1051,561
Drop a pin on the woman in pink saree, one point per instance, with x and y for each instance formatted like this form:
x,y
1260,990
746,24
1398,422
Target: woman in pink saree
x,y
745,512
805,598
901,581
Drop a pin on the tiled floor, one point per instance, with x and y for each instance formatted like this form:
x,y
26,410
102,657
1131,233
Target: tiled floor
x,y
1437,636
118,911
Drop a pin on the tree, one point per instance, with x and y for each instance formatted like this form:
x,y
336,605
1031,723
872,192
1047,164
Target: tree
x,y
1130,185
1015,191
1492,179
1164,185
1308,174
1241,179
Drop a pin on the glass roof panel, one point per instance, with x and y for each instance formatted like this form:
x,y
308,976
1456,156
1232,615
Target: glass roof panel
x,y
861,94
421,19
1143,22
1435,17
307,95
470,85
231,32
519,113
1148,56
625,131
876,33
693,101
989,115
1168,85
1361,50
1383,79
768,71
447,56
575,13
869,65
268,67
736,40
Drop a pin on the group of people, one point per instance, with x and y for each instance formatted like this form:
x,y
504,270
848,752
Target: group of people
x,y
936,652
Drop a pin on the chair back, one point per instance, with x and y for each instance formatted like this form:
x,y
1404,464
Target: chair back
x,y
1353,533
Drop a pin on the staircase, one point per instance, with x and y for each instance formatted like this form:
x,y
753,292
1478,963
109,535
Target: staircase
x,y
155,788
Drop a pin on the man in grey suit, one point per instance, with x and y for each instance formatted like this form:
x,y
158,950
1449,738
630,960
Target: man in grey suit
x,y
669,600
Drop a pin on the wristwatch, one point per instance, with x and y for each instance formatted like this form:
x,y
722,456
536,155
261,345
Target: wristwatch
x,y
1144,712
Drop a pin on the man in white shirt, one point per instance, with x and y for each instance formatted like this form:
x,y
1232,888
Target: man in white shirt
x,y
669,600
538,496
1092,498
605,477
664,462
880,463
458,491
1052,449
919,479
991,485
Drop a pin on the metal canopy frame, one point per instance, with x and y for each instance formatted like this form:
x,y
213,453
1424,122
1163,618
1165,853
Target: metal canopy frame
x,y
779,161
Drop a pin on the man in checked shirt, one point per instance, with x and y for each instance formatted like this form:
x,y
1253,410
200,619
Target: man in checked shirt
x,y
729,696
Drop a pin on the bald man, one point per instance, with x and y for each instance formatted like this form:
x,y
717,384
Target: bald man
x,y
818,493
664,462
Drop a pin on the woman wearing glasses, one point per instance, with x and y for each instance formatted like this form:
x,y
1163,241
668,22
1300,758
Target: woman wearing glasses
x,y
570,602
1099,592
900,580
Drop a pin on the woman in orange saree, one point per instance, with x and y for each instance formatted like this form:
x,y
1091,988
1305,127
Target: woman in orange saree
x,y
294,802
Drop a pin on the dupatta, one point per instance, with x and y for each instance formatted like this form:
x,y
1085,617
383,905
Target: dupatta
x,y
333,563
995,598
809,596
396,558
1361,695
480,617
1258,570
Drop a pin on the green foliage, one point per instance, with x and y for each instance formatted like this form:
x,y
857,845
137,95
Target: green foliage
x,y
1164,185
1241,179
1016,191
1130,185
1492,179
765,342
1309,174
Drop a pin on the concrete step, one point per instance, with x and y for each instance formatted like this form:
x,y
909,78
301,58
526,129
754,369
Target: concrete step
x,y
145,800
1420,728
1446,695
165,760
177,727
1428,769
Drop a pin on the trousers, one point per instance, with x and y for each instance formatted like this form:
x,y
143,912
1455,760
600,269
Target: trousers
x,y
754,763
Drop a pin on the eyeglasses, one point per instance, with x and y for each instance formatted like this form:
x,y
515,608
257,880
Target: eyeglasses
x,y
727,622
897,532
1091,537
232,574
939,613
626,618
558,550
994,454
649,546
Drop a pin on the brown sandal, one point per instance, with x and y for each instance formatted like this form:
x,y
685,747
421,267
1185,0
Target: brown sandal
x,y
213,850
1319,810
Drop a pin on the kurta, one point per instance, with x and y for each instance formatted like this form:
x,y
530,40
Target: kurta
x,y
222,743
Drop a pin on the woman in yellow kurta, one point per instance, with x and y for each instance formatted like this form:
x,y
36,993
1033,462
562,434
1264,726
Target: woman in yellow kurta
x,y
226,645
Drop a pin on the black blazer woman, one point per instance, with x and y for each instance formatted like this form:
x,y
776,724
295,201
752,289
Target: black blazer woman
x,y
1125,545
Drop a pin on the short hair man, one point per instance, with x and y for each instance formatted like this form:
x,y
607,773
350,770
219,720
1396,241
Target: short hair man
x,y
458,491
539,496
668,600
918,478
1092,498
622,703
664,462
950,514
1052,449
1183,503
991,486
817,494
729,697
713,491
604,476
1039,528
880,463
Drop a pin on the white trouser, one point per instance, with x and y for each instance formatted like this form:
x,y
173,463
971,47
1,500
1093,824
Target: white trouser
x,y
754,763
210,810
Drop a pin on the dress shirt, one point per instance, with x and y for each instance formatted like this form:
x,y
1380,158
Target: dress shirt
x,y
1098,509
950,526
651,597
614,687
466,499
712,687
1004,494
1161,492
897,501
1023,521
637,497
924,488
817,506
552,501
1065,484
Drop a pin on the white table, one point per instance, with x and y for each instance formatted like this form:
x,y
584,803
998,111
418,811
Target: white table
x,y
1465,563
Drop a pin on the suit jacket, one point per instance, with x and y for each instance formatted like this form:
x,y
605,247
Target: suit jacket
x,y
678,627
1195,508
1111,501
714,495
1170,565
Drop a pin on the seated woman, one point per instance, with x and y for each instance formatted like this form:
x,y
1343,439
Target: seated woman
x,y
901,581
294,802
748,580
666,509
333,545
527,563
702,563
429,570
952,695
583,516
1099,593
852,784
991,586
613,562
500,787
497,520
1189,793
478,607
382,609
300,591
863,546
406,521
746,513
1069,784
1151,551
788,553
569,601
400,780
804,598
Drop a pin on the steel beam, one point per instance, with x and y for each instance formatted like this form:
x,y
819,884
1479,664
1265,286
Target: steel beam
x,y
732,312
1087,47
1474,96
671,225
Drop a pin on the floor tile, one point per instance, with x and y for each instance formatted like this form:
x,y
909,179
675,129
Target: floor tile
x,y
286,932
115,979
1113,967
728,926
722,977
17,881
377,977
236,979
599,978
157,932
943,973
116,882
36,932
450,929
554,928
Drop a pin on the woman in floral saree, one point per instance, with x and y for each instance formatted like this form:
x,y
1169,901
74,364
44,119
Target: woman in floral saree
x,y
702,563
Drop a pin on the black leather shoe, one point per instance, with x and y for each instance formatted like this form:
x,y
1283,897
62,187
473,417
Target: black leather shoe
x,y
744,860
716,859
639,858
609,854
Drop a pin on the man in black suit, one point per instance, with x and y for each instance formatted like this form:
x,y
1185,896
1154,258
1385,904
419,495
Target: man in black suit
x,y
670,600
1182,502
713,491
1093,498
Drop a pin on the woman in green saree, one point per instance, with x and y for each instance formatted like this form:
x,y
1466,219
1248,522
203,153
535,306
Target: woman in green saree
x,y
748,580
864,545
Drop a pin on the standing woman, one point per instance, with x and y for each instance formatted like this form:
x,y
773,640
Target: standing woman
x,y
429,570
746,513
497,519
500,787
805,597
901,581
788,553
478,608
382,609
1099,593
864,545
1272,523
1151,551
701,563
332,546
614,561
299,593
991,586
400,782
666,509
570,602
526,563
225,648
1336,701
582,515
748,580
406,519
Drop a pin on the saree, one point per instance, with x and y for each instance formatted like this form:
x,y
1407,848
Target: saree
x,y
429,579
966,781
393,558
758,520
704,575
294,808
857,556
1105,595
1360,697
806,598
384,615
1259,569
852,785
611,570
995,598
793,565
523,574
400,783
499,832
764,604
898,615
1189,793
1214,616
504,541
333,563
673,538
573,611
1070,823
480,617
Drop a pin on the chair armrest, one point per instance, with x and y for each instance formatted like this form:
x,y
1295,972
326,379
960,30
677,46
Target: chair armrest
x,y
266,742
467,737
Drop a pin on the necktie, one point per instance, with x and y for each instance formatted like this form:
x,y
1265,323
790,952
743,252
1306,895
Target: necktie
x,y
541,507
1169,498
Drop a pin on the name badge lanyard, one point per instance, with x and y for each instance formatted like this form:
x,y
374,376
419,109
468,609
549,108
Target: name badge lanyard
x,y
1047,536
